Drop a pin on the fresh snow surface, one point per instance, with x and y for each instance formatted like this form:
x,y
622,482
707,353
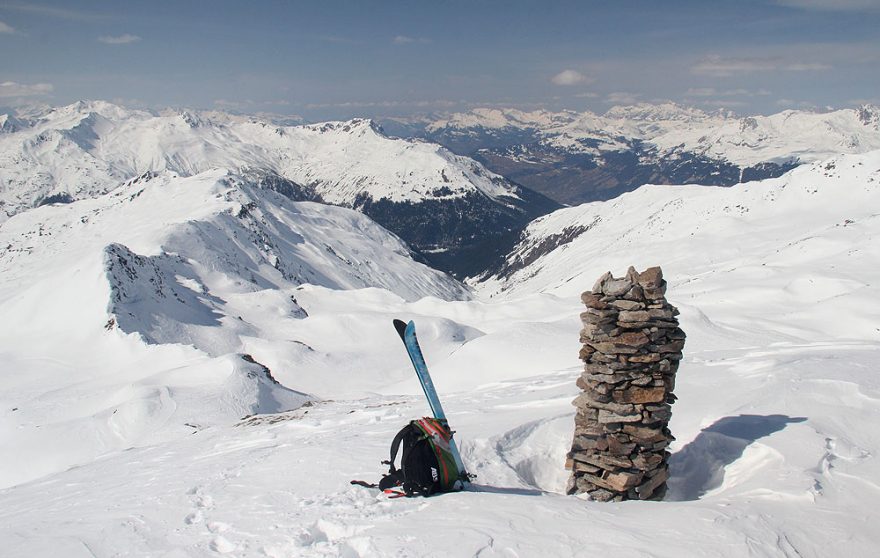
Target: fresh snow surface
x,y
114,445
789,136
90,148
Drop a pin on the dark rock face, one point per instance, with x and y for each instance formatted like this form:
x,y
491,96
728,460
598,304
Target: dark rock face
x,y
472,140
56,198
572,178
462,236
270,180
631,349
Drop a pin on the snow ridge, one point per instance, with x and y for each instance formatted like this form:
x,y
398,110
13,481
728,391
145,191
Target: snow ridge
x,y
788,230
216,230
91,147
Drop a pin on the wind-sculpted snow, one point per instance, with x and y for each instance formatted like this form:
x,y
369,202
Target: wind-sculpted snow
x,y
161,298
117,446
167,285
208,262
809,233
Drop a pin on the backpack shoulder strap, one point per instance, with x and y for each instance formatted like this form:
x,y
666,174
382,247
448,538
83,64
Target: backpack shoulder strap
x,y
395,447
395,475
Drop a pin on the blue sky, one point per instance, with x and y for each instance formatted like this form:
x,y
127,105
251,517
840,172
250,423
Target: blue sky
x,y
327,59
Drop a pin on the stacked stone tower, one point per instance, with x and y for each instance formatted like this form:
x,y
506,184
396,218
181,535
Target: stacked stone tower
x,y
631,348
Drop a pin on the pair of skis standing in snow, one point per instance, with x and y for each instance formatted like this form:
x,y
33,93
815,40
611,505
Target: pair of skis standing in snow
x,y
431,462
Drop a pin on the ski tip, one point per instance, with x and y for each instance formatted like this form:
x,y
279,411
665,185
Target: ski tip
x,y
400,326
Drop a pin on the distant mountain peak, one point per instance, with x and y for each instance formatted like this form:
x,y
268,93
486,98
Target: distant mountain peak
x,y
355,126
651,112
869,115
86,107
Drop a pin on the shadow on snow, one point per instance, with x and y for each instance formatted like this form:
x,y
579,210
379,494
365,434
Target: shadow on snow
x,y
699,466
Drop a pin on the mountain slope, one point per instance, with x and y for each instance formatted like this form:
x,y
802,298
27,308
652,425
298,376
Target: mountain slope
x,y
90,148
124,447
160,299
807,233
165,237
577,157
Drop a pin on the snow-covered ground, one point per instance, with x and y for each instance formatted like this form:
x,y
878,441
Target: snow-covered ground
x,y
116,446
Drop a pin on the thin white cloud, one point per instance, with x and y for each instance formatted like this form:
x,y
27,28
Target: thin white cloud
x,y
6,28
129,102
719,66
791,103
404,40
587,95
864,101
125,39
442,103
249,103
622,98
701,92
338,39
713,92
723,103
833,5
52,11
569,77
807,67
11,89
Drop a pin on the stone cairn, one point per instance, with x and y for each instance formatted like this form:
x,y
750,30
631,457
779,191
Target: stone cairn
x,y
631,348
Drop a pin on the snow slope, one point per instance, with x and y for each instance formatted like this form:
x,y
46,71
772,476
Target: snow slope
x,y
89,148
807,236
775,422
203,261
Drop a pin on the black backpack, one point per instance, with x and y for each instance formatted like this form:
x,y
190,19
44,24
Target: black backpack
x,y
427,465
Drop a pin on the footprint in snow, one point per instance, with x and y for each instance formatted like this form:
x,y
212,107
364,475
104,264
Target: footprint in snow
x,y
195,517
217,527
222,545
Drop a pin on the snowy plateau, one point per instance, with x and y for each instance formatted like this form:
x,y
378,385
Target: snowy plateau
x,y
194,362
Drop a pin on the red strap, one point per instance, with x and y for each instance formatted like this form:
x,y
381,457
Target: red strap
x,y
430,427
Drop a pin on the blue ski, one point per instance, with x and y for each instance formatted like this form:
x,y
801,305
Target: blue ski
x,y
407,334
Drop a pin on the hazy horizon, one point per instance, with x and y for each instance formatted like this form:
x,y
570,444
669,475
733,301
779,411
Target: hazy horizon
x,y
337,60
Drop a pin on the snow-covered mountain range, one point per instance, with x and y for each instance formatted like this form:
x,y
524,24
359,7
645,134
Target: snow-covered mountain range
x,y
111,420
576,157
193,362
421,191
181,255
207,261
